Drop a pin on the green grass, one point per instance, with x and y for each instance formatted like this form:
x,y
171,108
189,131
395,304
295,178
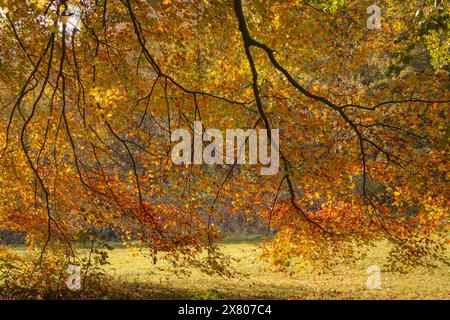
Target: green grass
x,y
142,279
136,277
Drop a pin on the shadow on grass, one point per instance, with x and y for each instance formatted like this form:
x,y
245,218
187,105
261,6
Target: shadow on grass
x,y
139,291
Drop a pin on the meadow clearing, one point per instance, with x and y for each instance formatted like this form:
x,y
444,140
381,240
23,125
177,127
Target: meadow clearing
x,y
135,276
143,279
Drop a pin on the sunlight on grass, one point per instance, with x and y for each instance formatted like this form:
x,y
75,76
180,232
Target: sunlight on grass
x,y
143,279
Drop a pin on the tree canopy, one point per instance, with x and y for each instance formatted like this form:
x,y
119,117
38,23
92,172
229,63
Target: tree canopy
x,y
91,91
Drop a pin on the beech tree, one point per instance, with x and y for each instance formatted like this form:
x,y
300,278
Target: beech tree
x,y
91,91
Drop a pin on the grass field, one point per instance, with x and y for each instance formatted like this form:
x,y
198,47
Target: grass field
x,y
142,279
134,276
